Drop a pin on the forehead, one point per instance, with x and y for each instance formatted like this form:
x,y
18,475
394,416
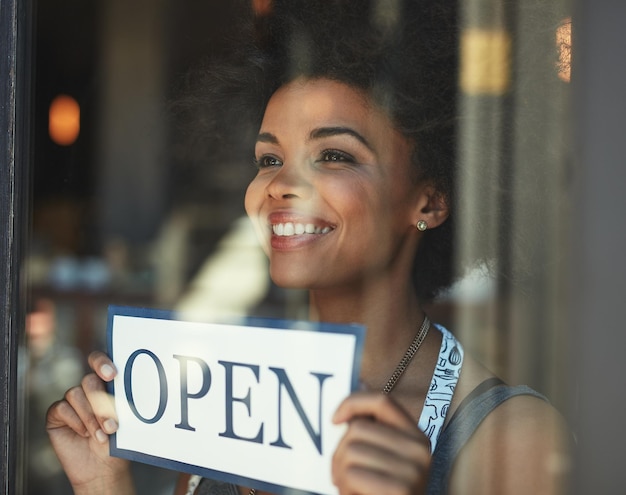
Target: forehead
x,y
323,100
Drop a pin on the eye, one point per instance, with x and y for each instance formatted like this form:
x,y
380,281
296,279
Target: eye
x,y
336,156
266,161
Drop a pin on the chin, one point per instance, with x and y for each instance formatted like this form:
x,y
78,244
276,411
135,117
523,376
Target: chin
x,y
292,276
289,282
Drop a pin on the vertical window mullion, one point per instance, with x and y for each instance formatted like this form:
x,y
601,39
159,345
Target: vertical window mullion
x,y
15,88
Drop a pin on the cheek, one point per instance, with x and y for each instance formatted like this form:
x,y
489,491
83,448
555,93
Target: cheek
x,y
364,201
252,204
251,200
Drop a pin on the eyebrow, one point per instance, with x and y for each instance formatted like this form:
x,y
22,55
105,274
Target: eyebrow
x,y
266,137
319,133
323,132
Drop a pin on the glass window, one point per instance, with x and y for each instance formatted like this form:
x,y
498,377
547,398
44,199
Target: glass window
x,y
134,203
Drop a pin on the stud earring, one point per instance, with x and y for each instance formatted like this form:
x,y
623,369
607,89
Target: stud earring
x,y
421,225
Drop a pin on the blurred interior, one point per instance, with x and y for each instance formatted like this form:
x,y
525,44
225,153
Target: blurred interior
x,y
120,215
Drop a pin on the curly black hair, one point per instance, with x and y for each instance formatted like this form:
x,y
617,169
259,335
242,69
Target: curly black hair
x,y
402,53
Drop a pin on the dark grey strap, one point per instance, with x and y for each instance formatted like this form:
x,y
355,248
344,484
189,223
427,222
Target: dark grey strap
x,y
462,426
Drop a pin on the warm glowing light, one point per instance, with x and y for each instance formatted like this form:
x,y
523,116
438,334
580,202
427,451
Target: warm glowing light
x,y
262,7
564,47
485,61
64,120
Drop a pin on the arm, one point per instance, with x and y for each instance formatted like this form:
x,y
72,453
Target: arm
x,y
79,426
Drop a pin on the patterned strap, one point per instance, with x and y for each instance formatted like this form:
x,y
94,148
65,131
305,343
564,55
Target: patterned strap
x,y
462,426
192,484
442,387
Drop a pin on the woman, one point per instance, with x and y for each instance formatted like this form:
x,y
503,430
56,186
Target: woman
x,y
353,200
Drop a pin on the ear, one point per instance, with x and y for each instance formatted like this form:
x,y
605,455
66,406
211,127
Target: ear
x,y
431,206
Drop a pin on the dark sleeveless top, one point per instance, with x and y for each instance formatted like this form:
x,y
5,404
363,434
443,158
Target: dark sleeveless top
x,y
466,419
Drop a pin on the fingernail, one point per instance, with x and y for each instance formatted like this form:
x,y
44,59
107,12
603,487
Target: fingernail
x,y
101,436
110,425
107,371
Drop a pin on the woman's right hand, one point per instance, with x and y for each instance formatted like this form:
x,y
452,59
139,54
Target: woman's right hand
x,y
79,426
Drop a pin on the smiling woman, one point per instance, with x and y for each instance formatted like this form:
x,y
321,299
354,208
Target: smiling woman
x,y
332,161
353,106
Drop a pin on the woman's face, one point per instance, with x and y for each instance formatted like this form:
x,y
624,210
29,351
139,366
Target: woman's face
x,y
333,201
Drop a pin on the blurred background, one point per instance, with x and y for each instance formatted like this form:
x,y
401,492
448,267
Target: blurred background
x,y
127,210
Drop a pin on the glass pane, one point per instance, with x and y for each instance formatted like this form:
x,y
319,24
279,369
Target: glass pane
x,y
138,196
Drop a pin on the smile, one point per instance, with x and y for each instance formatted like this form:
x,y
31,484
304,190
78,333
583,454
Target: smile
x,y
290,228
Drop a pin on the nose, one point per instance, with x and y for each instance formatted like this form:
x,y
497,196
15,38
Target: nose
x,y
290,181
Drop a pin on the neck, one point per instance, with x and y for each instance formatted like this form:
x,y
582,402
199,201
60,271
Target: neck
x,y
389,311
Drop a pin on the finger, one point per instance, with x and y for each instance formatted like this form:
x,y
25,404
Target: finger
x,y
364,456
365,482
93,406
61,414
76,399
102,365
375,405
102,403
411,443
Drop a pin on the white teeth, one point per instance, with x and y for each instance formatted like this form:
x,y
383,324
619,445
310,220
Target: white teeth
x,y
289,228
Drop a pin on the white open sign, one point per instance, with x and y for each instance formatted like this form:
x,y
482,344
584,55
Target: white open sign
x,y
245,403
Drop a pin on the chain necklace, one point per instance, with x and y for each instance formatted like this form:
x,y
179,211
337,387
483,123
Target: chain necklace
x,y
402,365
408,356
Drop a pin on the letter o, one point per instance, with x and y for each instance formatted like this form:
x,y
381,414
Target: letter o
x,y
162,386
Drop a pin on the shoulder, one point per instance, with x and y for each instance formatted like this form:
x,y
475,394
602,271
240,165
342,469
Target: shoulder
x,y
520,447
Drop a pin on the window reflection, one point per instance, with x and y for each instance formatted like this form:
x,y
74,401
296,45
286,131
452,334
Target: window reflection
x,y
54,365
138,210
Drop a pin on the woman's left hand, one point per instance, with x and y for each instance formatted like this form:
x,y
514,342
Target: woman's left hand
x,y
383,452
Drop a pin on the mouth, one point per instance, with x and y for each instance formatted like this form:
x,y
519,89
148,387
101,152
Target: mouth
x,y
293,228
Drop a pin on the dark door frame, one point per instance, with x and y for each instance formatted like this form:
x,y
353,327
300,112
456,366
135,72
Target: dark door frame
x,y
16,19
